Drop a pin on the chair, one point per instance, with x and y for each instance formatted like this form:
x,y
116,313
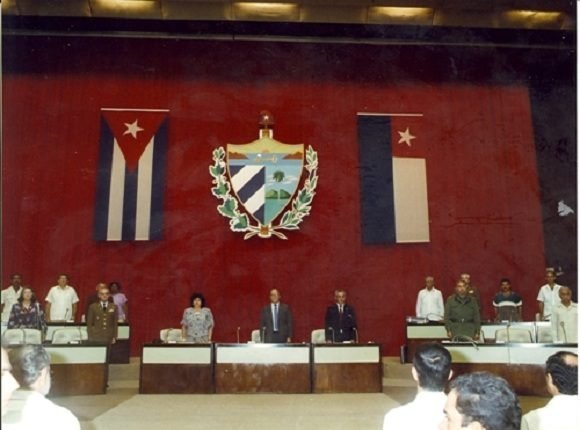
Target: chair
x,y
13,336
545,335
32,336
318,336
171,335
255,337
513,335
68,335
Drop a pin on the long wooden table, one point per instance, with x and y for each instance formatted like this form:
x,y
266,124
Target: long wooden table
x,y
78,369
521,364
176,369
347,368
262,368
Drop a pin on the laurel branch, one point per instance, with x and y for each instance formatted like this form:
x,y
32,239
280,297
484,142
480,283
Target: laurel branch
x,y
239,221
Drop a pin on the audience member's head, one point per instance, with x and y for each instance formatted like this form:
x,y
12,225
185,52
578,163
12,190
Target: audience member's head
x,y
432,366
481,401
9,384
31,367
562,373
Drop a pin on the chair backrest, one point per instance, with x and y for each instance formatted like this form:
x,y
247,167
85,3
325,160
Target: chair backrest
x,y
318,336
513,335
171,335
67,335
32,336
255,337
545,335
13,336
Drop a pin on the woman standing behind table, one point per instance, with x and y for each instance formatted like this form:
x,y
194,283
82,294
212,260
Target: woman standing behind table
x,y
26,312
197,323
120,301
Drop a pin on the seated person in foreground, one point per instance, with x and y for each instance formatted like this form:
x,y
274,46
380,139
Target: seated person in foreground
x,y
481,401
26,312
561,412
431,371
340,320
197,322
507,304
462,315
28,407
430,301
564,320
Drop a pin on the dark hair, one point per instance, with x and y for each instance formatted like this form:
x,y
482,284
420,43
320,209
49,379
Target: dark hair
x,y
33,298
15,274
197,296
564,374
502,280
27,362
433,365
115,283
488,400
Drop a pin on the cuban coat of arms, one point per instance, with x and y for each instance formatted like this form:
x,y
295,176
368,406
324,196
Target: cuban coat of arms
x,y
264,186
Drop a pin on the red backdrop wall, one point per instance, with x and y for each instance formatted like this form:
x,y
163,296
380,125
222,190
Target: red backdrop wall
x,y
485,215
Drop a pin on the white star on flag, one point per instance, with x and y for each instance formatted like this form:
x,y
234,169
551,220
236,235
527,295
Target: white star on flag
x,y
406,137
132,129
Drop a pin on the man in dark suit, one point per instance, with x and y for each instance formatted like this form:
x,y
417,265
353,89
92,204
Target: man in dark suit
x,y
102,319
340,320
276,320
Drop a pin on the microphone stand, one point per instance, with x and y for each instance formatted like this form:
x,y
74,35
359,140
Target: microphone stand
x,y
263,335
238,334
332,331
355,335
564,330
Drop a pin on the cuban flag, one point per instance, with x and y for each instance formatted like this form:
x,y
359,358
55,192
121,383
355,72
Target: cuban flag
x,y
393,179
131,174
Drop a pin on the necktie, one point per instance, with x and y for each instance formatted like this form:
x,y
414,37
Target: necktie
x,y
104,305
276,317
340,311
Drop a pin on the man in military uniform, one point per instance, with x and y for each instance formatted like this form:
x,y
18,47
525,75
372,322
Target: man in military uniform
x,y
102,319
462,314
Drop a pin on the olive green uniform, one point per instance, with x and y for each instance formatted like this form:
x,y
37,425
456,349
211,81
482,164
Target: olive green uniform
x,y
102,323
462,316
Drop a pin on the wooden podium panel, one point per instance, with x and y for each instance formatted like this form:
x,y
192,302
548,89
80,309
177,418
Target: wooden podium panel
x,y
521,364
78,369
176,369
346,368
262,368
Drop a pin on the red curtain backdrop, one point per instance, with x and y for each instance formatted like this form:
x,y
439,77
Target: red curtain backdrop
x,y
484,208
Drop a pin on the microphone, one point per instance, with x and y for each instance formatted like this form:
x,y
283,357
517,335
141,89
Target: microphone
x,y
263,335
507,330
355,335
23,330
466,339
563,325
238,334
332,331
80,334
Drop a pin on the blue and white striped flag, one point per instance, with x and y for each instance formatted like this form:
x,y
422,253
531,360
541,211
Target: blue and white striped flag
x,y
131,174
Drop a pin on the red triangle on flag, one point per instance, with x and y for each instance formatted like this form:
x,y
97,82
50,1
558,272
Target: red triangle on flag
x,y
133,131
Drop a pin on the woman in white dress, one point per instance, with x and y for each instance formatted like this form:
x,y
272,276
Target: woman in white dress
x,y
197,322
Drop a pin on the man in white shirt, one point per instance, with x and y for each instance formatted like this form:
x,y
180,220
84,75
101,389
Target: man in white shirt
x,y
61,301
28,407
10,296
430,301
548,297
431,370
565,318
9,384
561,412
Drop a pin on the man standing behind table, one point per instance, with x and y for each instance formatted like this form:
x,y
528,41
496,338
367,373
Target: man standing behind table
x,y
340,320
431,371
507,304
462,314
276,320
102,319
565,318
561,413
10,296
548,297
430,301
61,301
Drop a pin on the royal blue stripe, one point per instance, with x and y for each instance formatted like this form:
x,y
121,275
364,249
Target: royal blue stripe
x,y
376,180
130,204
103,181
158,181
235,169
259,214
253,185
